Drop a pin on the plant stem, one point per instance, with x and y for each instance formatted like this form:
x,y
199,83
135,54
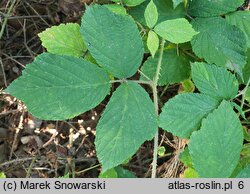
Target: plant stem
x,y
6,18
155,97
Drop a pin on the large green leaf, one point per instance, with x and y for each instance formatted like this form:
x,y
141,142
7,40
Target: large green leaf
x,y
220,43
214,81
174,68
208,8
245,173
126,123
183,114
176,30
241,19
56,87
64,39
113,40
215,148
165,10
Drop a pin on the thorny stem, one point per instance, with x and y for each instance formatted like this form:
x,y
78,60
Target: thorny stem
x,y
155,97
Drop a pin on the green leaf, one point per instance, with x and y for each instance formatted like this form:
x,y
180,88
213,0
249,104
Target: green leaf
x,y
56,87
151,14
174,68
152,42
113,40
111,173
127,122
123,173
64,39
161,151
2,175
118,9
185,158
241,19
214,81
246,69
130,2
165,11
247,95
183,114
245,173
190,173
176,30
215,148
208,8
176,3
220,43
187,86
246,134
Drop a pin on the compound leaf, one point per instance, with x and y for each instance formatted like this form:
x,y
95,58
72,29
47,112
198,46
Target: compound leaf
x,y
220,43
174,68
64,39
208,8
126,123
175,30
241,19
152,42
214,81
165,11
183,114
215,148
57,87
151,14
113,40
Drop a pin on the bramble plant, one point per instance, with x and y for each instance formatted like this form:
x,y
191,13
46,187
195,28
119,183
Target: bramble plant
x,y
199,43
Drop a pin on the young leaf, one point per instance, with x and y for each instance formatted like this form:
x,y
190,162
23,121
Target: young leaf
x,y
2,175
151,14
152,42
165,11
56,87
183,114
187,86
214,81
130,2
215,148
185,158
126,123
245,173
113,40
176,30
176,3
174,68
208,8
64,39
161,151
241,19
220,43
190,173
